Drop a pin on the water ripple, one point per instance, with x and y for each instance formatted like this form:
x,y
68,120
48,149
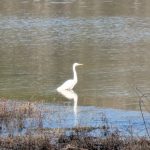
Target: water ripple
x,y
114,29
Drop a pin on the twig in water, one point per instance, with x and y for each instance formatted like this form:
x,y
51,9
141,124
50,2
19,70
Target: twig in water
x,y
140,105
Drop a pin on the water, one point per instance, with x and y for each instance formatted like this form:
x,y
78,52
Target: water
x,y
51,117
40,40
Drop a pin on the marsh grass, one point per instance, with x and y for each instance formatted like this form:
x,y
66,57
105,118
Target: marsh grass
x,y
73,142
112,142
13,115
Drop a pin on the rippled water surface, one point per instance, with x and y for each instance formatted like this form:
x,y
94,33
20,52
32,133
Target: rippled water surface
x,y
41,39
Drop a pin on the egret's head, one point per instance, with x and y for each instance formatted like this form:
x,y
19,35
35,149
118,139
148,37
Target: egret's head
x,y
77,64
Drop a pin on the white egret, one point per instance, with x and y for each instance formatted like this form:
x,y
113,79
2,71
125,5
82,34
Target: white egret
x,y
69,84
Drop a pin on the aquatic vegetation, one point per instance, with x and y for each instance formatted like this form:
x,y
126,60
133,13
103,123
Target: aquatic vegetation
x,y
21,127
13,115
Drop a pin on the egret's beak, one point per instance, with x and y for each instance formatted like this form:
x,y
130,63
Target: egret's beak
x,y
80,64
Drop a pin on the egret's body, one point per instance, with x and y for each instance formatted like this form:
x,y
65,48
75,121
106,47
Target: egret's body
x,y
69,84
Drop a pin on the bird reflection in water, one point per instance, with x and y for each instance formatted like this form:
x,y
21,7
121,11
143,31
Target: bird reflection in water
x,y
71,95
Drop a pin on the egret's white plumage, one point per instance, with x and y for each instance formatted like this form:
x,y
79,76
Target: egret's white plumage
x,y
69,84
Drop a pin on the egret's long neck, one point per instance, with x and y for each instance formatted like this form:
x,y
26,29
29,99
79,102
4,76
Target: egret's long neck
x,y
75,74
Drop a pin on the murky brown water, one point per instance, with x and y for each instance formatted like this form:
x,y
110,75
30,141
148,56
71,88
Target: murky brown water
x,y
40,39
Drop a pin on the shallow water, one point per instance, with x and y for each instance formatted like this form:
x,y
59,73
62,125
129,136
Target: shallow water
x,y
126,123
40,40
